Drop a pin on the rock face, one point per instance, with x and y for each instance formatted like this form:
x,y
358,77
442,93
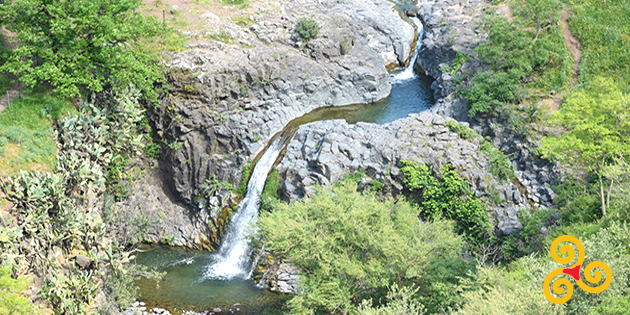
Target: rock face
x,y
226,97
173,223
450,26
323,152
225,100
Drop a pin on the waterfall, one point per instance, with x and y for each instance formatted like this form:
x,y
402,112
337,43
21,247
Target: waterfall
x,y
408,73
232,258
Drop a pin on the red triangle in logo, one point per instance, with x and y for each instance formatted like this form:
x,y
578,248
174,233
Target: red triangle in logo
x,y
573,272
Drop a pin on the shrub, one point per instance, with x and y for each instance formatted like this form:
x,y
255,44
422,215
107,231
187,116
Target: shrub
x,y
11,303
448,197
307,28
461,130
351,246
499,165
489,90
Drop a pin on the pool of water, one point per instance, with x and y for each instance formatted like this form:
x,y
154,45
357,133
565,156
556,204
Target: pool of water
x,y
187,286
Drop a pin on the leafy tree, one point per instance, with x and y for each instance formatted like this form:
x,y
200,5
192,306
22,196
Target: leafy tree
x,y
79,44
597,136
352,247
539,12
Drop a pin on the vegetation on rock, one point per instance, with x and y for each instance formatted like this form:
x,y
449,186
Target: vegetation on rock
x,y
307,28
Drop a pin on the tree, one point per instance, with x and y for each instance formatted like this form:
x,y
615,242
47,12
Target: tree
x,y
79,44
597,133
352,247
539,12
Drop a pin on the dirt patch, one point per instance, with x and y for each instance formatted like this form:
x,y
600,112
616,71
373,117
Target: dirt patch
x,y
194,18
573,45
505,10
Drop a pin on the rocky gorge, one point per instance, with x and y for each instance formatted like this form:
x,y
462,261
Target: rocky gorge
x,y
226,100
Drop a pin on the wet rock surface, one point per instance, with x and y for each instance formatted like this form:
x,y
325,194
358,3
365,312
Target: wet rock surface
x,y
228,98
173,223
225,100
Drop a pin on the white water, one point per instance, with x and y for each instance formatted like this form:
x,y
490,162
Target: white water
x,y
408,73
232,259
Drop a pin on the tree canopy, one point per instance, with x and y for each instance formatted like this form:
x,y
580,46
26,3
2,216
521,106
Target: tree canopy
x,y
352,247
597,133
79,44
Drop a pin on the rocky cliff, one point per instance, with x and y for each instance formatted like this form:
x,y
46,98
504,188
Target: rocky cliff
x,y
226,99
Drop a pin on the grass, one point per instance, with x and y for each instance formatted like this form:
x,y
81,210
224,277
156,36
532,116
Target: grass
x,y
603,29
26,141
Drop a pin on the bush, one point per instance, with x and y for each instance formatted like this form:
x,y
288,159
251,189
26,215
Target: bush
x,y
351,247
448,197
461,130
490,90
11,303
499,165
307,28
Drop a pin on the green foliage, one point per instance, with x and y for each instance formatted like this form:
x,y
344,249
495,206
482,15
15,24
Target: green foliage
x,y
71,295
604,32
212,185
516,289
448,197
376,185
489,90
241,190
499,165
528,51
351,247
5,83
459,60
307,28
11,303
152,150
80,44
462,131
577,202
399,301
269,195
596,136
234,2
530,238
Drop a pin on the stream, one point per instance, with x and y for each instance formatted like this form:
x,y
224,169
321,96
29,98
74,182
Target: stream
x,y
198,281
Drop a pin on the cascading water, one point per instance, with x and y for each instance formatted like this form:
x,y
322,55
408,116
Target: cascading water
x,y
232,258
408,73
197,281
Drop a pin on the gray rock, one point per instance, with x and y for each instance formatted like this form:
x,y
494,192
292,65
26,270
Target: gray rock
x,y
83,261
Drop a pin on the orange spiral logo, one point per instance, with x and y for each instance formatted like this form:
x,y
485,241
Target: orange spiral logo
x,y
562,287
